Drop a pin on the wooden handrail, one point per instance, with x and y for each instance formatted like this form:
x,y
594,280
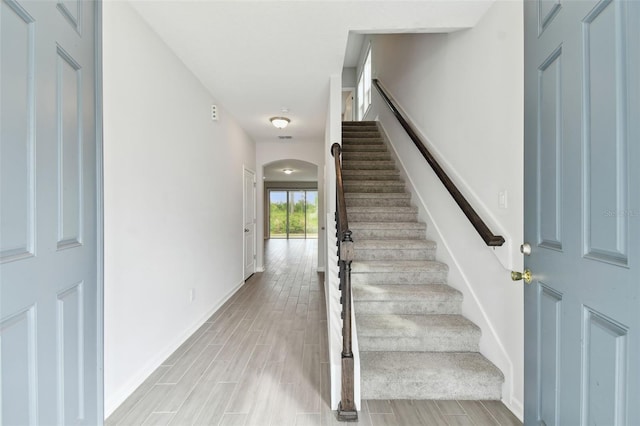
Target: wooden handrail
x,y
485,233
347,408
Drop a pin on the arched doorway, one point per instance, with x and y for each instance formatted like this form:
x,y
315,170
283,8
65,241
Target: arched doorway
x,y
291,199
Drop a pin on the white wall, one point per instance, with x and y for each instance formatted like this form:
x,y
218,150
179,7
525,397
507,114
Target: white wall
x,y
464,92
270,151
173,202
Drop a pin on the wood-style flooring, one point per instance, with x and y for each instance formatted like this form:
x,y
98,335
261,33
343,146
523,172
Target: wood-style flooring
x,y
262,359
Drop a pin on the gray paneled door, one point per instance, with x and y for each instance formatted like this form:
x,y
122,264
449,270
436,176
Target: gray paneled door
x,y
50,309
582,212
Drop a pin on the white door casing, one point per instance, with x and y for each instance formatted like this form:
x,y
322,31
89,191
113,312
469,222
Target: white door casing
x,y
249,222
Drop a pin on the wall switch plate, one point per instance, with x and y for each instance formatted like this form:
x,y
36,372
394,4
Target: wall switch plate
x,y
502,199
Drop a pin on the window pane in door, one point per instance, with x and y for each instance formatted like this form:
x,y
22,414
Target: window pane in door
x,y
312,214
278,214
297,218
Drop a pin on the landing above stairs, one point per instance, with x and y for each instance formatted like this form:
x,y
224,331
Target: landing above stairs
x,y
413,341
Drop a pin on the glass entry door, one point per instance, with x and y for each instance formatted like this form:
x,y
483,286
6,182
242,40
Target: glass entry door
x,y
293,214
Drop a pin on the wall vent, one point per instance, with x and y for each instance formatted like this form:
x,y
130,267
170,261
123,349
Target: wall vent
x,y
285,137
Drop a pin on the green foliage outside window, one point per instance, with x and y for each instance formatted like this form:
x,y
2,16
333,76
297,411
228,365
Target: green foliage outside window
x,y
297,219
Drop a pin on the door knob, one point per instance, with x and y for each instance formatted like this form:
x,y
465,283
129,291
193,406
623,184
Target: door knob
x,y
526,276
525,248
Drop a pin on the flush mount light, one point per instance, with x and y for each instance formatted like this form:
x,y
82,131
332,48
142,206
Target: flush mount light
x,y
287,171
280,122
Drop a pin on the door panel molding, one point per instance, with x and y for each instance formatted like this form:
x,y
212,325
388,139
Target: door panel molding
x,y
547,11
549,161
549,355
71,354
604,361
70,152
605,137
73,14
18,331
17,155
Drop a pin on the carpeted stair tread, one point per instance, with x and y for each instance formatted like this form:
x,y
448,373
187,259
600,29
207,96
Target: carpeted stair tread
x,y
380,249
413,341
354,173
394,244
429,375
372,199
411,325
382,209
372,267
387,174
382,214
355,141
403,293
366,183
409,333
370,147
419,226
360,133
366,155
368,195
368,165
404,299
374,186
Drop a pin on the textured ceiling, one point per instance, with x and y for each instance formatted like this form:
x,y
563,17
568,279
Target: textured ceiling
x,y
257,57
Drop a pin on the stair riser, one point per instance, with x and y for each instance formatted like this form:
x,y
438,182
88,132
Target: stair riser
x,y
370,176
462,342
383,217
410,278
407,307
395,254
351,144
373,188
369,127
366,155
388,234
368,165
349,149
437,389
368,133
377,202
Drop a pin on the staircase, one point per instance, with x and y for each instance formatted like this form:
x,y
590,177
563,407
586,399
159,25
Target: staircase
x,y
413,342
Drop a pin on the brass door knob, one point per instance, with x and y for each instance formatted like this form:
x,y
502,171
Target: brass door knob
x,y
526,276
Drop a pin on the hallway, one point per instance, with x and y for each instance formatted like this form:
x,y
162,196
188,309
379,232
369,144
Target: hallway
x,y
262,359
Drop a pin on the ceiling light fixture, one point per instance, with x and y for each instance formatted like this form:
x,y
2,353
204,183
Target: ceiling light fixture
x,y
279,122
287,171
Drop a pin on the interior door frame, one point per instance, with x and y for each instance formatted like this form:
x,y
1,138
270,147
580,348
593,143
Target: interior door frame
x,y
99,211
245,169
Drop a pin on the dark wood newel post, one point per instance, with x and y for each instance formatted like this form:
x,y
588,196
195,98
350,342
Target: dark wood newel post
x,y
347,407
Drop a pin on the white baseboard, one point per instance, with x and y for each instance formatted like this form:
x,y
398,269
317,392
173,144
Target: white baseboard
x,y
114,401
